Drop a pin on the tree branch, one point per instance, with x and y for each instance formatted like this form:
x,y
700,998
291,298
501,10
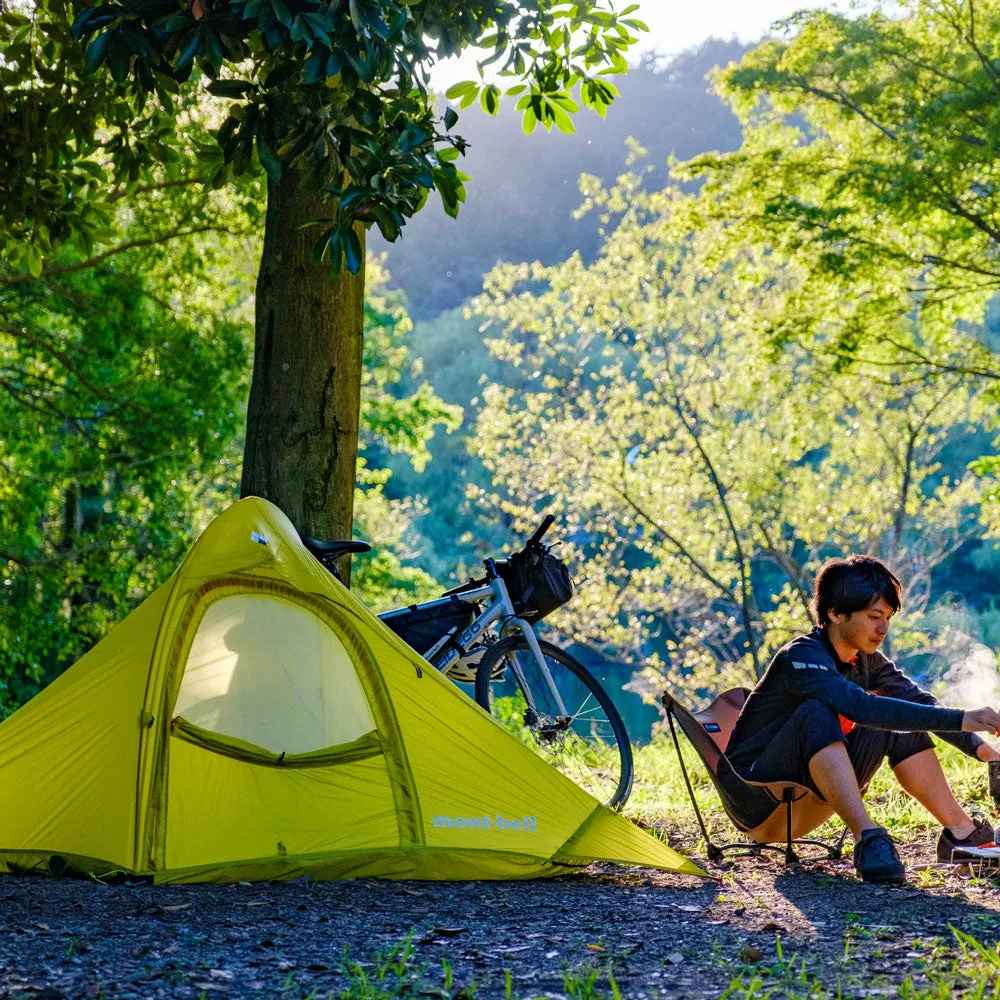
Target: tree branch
x,y
682,551
151,188
746,601
22,336
846,102
788,566
83,265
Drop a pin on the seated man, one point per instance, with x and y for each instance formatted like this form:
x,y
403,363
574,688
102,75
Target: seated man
x,y
830,707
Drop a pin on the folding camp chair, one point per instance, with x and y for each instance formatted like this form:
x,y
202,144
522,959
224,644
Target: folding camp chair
x,y
747,803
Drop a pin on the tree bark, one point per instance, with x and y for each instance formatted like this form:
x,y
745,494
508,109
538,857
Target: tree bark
x,y
302,416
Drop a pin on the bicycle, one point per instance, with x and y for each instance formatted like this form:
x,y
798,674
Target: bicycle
x,y
481,633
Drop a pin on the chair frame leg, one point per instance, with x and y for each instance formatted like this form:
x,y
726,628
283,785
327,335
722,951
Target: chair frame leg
x,y
791,858
715,853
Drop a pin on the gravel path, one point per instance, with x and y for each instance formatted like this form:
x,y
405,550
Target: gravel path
x,y
659,935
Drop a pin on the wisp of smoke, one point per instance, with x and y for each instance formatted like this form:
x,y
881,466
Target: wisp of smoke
x,y
974,680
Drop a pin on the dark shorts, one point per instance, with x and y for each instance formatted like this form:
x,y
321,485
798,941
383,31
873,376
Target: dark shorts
x,y
813,726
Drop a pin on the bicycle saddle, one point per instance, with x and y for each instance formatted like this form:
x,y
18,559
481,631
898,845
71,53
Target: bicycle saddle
x,y
334,550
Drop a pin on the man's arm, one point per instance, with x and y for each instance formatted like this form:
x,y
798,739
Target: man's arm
x,y
887,679
812,674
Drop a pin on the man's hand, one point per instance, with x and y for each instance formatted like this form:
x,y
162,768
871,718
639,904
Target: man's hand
x,y
985,752
981,720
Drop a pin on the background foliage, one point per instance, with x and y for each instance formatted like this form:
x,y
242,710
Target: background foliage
x,y
719,372
123,378
704,478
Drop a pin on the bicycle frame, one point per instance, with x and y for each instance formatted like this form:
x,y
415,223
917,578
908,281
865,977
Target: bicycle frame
x,y
499,608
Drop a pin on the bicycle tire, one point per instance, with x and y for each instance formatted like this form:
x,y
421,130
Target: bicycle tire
x,y
593,749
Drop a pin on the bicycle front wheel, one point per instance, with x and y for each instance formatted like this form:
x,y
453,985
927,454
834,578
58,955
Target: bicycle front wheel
x,y
589,743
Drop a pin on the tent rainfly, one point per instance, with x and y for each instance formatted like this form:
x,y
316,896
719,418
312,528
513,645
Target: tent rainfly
x,y
252,720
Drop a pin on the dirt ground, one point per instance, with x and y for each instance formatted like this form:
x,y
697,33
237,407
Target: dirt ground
x,y
660,935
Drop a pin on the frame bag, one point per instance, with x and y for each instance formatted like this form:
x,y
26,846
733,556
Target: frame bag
x,y
421,628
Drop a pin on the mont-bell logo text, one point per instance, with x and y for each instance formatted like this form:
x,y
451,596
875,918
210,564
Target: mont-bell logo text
x,y
528,824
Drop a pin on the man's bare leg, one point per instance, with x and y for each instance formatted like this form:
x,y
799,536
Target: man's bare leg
x,y
922,777
834,776
809,812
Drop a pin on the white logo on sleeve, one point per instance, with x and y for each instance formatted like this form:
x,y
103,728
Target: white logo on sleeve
x,y
809,666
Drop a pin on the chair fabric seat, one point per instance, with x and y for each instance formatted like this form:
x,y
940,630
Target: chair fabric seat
x,y
747,803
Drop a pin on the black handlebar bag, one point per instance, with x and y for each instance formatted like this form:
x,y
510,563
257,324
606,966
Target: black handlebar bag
x,y
537,582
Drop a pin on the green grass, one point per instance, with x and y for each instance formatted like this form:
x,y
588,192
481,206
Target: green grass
x,y
962,967
659,795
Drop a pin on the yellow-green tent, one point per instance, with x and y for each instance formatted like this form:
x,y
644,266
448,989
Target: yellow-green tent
x,y
252,720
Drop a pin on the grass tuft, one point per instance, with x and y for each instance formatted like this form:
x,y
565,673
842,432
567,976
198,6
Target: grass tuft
x,y
660,799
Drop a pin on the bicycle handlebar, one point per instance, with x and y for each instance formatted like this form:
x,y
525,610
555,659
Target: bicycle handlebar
x,y
547,523
499,565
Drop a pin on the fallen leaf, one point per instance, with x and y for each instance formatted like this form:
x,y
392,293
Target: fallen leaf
x,y
750,954
448,931
595,947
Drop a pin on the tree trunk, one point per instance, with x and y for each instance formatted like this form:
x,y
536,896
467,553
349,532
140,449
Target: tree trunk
x,y
302,417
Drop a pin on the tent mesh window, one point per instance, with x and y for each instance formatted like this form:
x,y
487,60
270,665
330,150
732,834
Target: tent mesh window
x,y
271,673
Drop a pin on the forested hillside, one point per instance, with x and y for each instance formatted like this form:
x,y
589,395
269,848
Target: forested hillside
x,y
523,196
717,375
646,334
524,187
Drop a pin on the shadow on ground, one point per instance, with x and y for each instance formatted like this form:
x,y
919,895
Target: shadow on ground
x,y
658,935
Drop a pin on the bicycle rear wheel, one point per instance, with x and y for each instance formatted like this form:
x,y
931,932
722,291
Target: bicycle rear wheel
x,y
589,744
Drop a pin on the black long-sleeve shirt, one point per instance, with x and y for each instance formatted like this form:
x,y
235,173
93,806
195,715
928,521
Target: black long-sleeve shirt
x,y
872,691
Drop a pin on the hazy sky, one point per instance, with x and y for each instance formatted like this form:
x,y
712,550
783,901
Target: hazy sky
x,y
675,25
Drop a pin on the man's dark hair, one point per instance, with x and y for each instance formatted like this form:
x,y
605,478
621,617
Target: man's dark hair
x,y
848,585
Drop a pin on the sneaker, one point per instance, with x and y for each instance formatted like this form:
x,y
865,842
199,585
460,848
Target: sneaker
x,y
980,844
875,857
